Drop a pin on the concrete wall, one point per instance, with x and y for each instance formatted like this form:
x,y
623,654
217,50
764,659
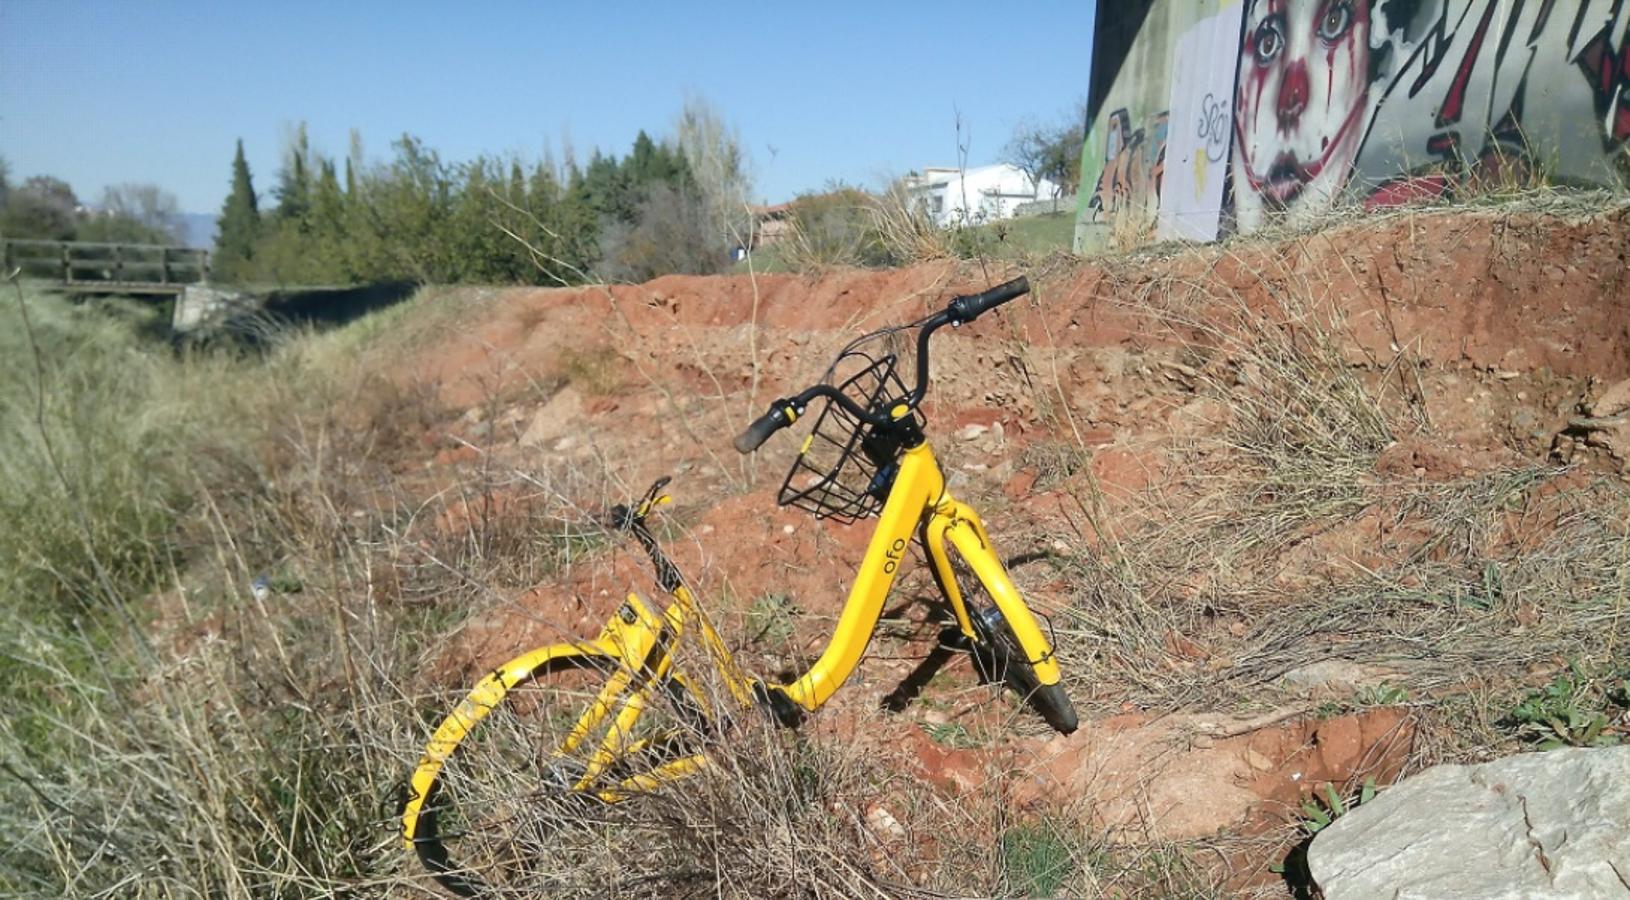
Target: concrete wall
x,y
1212,117
1060,204
200,307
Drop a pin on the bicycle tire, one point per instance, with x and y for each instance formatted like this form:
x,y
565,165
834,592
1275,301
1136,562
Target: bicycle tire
x,y
999,656
503,817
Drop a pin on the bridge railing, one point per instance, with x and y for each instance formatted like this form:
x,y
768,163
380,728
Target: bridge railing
x,y
110,267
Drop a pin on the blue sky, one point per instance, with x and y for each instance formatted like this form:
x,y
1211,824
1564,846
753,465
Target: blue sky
x,y
106,92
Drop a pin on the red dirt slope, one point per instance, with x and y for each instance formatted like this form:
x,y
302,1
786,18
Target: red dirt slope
x,y
1496,329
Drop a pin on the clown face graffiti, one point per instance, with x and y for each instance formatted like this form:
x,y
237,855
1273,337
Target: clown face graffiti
x,y
1300,107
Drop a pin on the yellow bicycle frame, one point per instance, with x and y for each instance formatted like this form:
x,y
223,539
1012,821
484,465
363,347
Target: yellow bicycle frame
x,y
634,645
919,497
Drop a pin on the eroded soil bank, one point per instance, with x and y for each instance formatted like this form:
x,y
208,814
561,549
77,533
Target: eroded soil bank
x,y
1283,502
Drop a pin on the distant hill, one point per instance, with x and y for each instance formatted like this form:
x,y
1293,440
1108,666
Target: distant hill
x,y
198,229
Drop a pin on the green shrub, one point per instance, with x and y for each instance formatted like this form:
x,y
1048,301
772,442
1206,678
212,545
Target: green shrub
x,y
835,227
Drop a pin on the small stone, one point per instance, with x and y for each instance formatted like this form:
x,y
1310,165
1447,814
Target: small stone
x,y
1202,742
1256,760
971,432
788,529
883,824
1614,400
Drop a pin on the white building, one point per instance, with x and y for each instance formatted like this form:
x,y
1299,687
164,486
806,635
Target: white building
x,y
972,196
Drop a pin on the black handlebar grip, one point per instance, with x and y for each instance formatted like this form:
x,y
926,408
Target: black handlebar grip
x,y
972,306
761,429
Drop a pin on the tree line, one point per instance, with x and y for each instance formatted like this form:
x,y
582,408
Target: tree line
x,y
44,207
671,205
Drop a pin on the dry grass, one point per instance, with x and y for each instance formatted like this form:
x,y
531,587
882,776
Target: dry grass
x,y
1273,541
1498,573
245,746
907,232
261,749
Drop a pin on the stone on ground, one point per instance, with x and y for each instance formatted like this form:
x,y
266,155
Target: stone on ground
x,y
1553,824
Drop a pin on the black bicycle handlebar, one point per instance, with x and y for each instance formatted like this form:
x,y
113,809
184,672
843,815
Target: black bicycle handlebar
x,y
972,306
959,311
764,426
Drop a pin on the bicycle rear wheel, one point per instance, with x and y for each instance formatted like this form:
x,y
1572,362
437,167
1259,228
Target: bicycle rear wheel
x,y
999,656
505,817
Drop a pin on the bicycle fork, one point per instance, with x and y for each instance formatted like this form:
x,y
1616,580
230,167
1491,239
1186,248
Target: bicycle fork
x,y
955,522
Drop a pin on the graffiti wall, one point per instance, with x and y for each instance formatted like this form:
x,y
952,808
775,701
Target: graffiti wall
x,y
1123,162
1361,103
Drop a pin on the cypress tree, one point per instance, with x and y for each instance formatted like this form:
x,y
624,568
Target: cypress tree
x,y
328,227
517,184
577,221
644,164
327,203
294,179
604,188
354,171
239,224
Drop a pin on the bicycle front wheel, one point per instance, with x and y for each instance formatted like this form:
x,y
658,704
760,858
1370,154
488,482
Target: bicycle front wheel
x,y
1000,657
510,811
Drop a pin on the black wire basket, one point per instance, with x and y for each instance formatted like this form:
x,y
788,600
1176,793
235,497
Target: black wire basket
x,y
841,472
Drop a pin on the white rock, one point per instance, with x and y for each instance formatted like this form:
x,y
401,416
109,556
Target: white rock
x,y
559,417
1615,399
1330,674
1553,825
883,824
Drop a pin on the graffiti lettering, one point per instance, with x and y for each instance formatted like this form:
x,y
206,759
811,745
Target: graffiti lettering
x,y
1214,126
1608,72
1454,100
1133,167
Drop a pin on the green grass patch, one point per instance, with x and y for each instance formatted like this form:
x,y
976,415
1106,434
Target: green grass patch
x,y
1038,859
1030,235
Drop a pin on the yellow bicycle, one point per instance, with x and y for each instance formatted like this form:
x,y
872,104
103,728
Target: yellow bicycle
x,y
573,720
